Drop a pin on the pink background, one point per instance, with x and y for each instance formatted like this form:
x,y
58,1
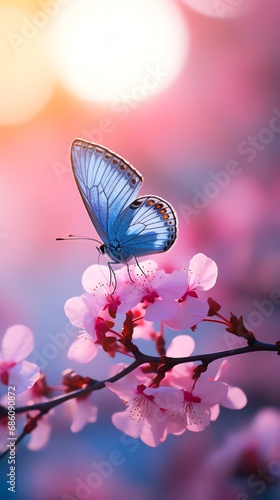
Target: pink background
x,y
227,91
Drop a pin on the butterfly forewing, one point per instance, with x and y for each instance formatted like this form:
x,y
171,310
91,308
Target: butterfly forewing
x,y
107,183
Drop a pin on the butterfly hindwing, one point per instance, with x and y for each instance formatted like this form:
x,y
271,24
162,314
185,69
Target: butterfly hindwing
x,y
148,225
107,184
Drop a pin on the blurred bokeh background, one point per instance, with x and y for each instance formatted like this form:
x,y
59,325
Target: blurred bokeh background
x,y
188,91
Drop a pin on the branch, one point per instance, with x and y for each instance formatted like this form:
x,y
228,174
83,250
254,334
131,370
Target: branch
x,y
141,359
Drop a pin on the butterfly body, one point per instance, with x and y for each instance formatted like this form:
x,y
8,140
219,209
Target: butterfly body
x,y
128,226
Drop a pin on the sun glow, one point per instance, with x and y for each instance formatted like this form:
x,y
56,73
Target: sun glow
x,y
105,48
26,81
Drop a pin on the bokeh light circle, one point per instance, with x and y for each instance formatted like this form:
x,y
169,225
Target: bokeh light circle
x,y
26,81
107,48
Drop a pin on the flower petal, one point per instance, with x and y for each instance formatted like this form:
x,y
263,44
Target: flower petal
x,y
83,349
83,413
40,435
82,312
171,286
189,313
182,345
235,399
122,422
210,392
203,272
17,343
24,375
95,275
215,412
161,310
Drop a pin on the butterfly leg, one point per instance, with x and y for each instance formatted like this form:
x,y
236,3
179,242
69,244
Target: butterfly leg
x,y
112,273
128,272
138,265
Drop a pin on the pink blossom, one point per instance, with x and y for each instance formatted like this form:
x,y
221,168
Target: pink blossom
x,y
89,311
142,417
180,346
40,435
189,407
17,344
235,399
143,329
83,349
155,288
105,293
190,310
82,412
83,312
202,273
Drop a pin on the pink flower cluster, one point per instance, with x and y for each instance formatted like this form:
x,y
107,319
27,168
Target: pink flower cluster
x,y
181,401
157,403
156,295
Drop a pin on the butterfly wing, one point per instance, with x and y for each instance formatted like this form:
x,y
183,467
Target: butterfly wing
x,y
107,184
148,225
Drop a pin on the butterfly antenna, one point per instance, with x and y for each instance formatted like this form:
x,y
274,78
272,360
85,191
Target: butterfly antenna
x,y
74,237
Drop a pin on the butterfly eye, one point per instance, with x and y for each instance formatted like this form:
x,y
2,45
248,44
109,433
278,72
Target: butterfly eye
x,y
102,249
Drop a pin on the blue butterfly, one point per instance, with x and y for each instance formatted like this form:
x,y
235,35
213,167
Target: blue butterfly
x,y
128,226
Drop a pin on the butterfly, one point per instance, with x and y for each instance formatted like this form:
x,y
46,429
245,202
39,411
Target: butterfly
x,y
129,227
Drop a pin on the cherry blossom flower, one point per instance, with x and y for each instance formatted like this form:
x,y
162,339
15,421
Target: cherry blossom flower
x,y
190,310
83,349
143,329
83,313
80,408
17,344
90,310
142,417
171,298
181,376
106,294
82,412
180,346
190,406
155,288
40,435
235,399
